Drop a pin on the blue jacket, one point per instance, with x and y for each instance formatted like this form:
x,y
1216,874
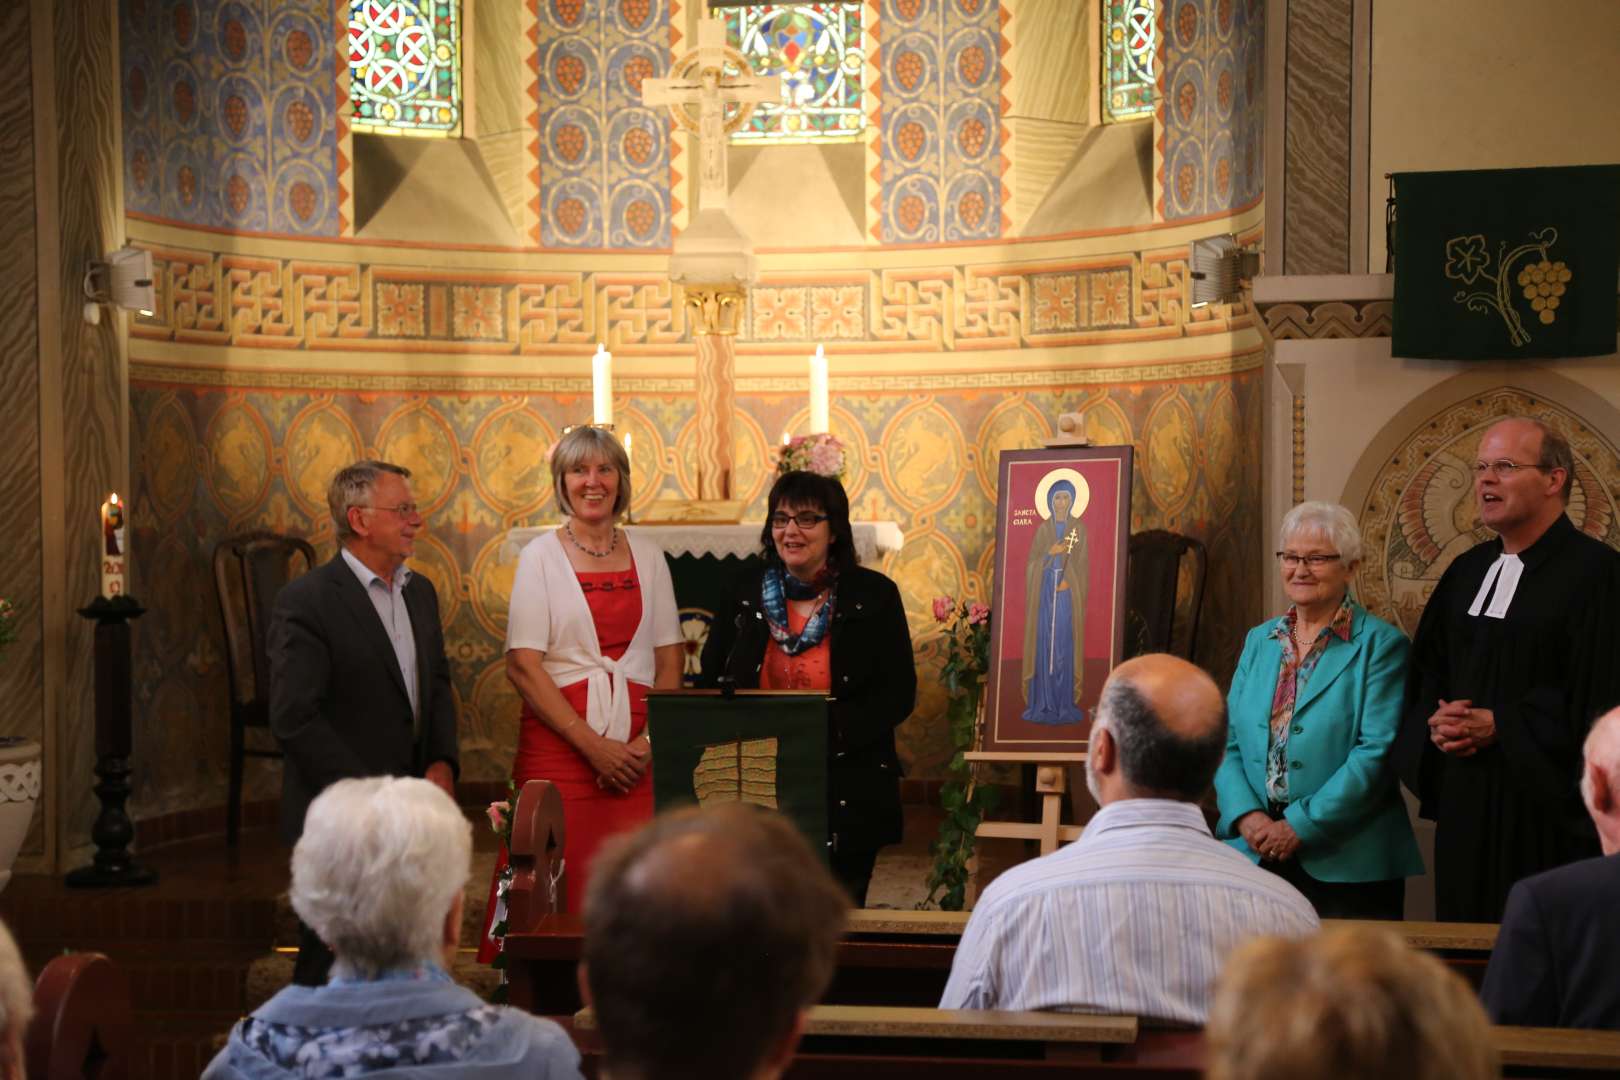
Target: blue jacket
x,y
1344,802
400,1030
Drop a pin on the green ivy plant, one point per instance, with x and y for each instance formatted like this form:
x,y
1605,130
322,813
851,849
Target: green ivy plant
x,y
967,659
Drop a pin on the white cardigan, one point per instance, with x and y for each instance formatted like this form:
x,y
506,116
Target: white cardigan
x,y
548,613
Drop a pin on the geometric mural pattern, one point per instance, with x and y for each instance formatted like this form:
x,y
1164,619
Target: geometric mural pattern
x,y
229,113
604,156
236,298
1211,106
211,460
941,120
1420,512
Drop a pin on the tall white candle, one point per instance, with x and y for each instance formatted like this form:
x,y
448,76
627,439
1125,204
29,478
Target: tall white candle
x,y
113,553
602,386
818,392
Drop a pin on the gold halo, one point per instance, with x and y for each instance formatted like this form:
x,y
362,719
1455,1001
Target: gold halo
x,y
1082,492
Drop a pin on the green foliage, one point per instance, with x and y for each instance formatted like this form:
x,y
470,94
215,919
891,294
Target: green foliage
x,y
967,650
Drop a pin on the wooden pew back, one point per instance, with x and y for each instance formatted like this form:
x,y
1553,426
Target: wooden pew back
x,y
536,857
83,1025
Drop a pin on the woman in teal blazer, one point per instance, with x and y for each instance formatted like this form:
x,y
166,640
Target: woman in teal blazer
x,y
1306,787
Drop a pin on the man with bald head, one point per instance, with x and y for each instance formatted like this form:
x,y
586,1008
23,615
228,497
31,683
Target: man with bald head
x,y
1137,915
1556,953
1514,656
708,934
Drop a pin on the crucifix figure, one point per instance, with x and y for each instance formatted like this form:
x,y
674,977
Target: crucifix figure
x,y
699,78
712,260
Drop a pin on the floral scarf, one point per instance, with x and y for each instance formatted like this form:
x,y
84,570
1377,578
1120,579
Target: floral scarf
x,y
777,587
1292,674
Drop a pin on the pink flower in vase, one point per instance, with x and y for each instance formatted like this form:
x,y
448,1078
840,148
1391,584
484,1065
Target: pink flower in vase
x,y
977,614
943,606
498,812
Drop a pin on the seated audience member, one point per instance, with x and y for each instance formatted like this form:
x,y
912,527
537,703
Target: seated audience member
x,y
16,1006
1136,916
1554,961
379,874
1353,1003
708,934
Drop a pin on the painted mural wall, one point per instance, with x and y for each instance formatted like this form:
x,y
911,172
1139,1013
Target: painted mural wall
x,y
230,113
938,370
1211,112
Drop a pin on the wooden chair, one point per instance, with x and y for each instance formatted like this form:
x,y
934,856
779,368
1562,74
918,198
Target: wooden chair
x,y
1152,592
83,1023
249,570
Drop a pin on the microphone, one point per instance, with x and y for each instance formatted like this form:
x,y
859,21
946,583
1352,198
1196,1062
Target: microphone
x,y
727,681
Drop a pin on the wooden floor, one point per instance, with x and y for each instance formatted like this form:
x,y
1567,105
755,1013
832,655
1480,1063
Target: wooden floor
x,y
185,943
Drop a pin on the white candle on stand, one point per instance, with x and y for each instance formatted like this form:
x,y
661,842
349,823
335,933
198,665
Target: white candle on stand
x,y
818,392
114,564
602,386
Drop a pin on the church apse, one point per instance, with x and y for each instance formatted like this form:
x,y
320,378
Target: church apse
x,y
271,360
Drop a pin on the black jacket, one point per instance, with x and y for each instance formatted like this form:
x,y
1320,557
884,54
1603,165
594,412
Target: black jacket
x,y
337,699
1554,960
874,687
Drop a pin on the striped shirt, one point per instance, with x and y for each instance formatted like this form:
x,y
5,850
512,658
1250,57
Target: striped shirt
x,y
1135,918
389,600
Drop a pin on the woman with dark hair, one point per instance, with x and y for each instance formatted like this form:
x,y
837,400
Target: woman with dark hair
x,y
814,619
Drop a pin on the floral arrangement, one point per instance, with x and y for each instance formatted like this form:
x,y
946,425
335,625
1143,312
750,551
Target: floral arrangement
x,y
820,454
967,659
500,823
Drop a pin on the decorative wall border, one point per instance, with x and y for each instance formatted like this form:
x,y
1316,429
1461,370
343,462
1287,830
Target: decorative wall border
x,y
237,299
1324,319
1192,369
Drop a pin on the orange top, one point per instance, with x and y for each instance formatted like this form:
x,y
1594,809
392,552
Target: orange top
x,y
810,670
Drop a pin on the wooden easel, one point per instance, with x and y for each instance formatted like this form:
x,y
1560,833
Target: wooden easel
x,y
1051,784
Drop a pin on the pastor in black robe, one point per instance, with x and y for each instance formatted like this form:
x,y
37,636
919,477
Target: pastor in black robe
x,y
1546,671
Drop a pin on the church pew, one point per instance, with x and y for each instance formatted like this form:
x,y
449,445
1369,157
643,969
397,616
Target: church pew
x,y
891,957
875,1041
1556,1051
882,1041
83,1021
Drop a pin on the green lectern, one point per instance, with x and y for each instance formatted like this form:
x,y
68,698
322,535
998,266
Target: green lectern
x,y
767,747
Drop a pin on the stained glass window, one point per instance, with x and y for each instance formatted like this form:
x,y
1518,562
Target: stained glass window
x,y
1130,44
405,66
816,48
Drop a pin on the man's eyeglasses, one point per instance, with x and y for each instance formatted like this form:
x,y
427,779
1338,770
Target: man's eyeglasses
x,y
1502,469
404,510
1315,562
805,520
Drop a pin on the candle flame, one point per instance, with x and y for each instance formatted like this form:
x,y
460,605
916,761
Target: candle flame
x,y
785,438
113,498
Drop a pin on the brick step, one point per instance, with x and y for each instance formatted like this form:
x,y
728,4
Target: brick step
x,y
123,915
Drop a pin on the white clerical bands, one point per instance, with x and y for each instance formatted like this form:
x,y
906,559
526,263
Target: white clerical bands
x,y
1504,574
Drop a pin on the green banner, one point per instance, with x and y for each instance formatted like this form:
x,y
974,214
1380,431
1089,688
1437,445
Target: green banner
x,y
1496,264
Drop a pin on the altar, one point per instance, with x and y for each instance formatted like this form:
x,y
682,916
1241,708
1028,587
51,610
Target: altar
x,y
706,560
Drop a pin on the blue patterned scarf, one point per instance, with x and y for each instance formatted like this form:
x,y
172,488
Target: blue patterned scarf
x,y
777,587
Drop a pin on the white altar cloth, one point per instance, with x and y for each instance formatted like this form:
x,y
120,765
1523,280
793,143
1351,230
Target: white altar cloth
x,y
872,539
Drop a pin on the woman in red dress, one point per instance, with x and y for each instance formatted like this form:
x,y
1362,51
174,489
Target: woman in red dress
x,y
592,627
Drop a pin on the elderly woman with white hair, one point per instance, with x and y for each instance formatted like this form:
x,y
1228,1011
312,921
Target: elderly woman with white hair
x,y
379,875
16,1007
1307,788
